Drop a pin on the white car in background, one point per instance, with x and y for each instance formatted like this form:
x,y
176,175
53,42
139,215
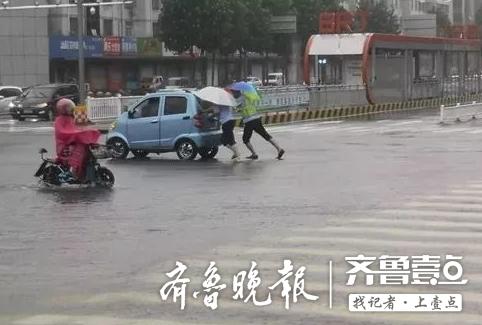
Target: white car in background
x,y
276,79
254,81
7,95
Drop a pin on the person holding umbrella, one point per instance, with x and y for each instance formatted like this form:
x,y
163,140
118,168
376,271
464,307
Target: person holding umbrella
x,y
249,99
224,103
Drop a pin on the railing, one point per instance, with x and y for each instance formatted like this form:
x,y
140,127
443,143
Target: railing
x,y
108,108
336,95
99,109
460,112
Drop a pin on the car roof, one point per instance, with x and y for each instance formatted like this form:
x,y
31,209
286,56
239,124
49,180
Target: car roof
x,y
54,85
176,91
14,87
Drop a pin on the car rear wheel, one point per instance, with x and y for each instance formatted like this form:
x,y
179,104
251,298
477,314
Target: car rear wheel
x,y
208,153
119,148
18,118
140,154
186,150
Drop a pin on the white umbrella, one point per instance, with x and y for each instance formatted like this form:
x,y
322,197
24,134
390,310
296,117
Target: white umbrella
x,y
217,96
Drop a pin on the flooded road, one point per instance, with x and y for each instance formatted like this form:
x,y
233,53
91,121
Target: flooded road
x,y
60,248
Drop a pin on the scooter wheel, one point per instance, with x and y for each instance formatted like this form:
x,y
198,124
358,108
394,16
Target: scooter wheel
x,y
105,178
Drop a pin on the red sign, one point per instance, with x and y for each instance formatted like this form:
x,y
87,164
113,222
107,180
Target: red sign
x,y
327,23
112,46
342,22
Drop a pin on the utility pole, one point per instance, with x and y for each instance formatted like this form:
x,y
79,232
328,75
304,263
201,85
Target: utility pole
x,y
80,28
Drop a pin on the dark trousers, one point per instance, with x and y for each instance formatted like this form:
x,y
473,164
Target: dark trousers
x,y
255,126
227,138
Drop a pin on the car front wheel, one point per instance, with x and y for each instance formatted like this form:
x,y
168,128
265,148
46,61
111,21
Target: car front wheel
x,y
186,150
119,148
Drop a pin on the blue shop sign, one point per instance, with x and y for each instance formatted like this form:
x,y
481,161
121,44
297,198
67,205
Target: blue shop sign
x,y
129,46
67,47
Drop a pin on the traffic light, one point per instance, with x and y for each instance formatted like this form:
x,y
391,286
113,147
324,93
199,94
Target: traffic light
x,y
93,20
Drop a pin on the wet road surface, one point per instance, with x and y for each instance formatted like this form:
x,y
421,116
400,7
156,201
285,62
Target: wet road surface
x,y
399,186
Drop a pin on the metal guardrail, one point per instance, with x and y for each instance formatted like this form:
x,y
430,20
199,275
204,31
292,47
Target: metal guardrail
x,y
271,98
460,112
99,109
336,95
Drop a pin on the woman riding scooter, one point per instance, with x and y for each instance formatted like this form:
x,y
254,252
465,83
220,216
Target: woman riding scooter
x,y
72,143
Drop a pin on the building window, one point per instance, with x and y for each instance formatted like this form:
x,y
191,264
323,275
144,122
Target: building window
x,y
108,27
128,27
155,5
73,26
155,29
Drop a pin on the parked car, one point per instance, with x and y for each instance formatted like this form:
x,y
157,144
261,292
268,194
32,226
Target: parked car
x,y
166,121
255,81
7,95
39,101
153,84
276,79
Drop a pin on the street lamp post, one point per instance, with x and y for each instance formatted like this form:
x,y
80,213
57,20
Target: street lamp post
x,y
80,31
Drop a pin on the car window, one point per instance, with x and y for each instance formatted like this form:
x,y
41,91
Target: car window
x,y
10,92
147,108
63,91
72,90
175,105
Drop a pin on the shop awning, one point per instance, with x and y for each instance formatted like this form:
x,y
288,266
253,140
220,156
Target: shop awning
x,y
337,44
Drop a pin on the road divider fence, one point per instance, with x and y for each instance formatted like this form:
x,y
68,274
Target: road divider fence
x,y
460,112
296,113
101,109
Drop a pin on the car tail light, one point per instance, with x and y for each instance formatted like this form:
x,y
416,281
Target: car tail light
x,y
198,121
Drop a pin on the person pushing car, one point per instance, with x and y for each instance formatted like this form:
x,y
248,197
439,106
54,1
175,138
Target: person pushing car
x,y
249,100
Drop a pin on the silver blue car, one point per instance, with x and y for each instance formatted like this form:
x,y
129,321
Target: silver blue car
x,y
167,121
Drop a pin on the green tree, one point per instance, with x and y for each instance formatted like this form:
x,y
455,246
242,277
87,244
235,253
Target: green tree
x,y
478,19
308,13
381,18
443,22
278,7
180,23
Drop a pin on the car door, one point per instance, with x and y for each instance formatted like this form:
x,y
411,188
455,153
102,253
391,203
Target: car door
x,y
143,127
176,119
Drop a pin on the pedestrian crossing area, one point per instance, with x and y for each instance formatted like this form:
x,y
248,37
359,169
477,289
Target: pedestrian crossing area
x,y
448,222
382,127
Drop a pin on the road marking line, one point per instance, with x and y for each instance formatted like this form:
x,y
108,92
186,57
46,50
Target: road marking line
x,y
330,303
362,242
452,130
454,198
410,224
377,230
446,206
430,213
467,192
406,123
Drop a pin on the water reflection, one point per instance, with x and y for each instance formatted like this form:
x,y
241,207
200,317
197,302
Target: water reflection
x,y
77,195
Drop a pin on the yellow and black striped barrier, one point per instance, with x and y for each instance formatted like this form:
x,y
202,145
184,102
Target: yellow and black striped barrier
x,y
333,113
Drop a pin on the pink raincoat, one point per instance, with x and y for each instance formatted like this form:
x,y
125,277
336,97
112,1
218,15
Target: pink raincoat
x,y
72,142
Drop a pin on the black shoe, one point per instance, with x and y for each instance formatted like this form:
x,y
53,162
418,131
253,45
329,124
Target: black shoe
x,y
253,157
281,154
